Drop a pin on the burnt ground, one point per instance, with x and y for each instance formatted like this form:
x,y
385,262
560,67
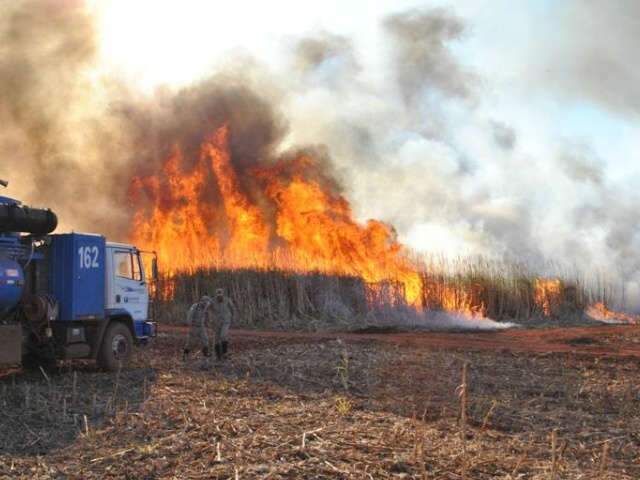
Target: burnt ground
x,y
561,403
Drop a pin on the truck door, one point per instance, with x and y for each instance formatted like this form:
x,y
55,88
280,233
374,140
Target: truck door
x,y
129,287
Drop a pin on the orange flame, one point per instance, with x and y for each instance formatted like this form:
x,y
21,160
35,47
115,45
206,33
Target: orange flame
x,y
548,294
461,301
600,312
203,217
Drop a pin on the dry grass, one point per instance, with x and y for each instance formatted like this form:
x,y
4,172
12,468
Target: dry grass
x,y
315,301
327,409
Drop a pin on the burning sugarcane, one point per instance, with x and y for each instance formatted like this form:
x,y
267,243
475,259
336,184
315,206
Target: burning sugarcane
x,y
291,218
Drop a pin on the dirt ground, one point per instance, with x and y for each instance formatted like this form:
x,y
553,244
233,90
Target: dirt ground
x,y
536,404
609,340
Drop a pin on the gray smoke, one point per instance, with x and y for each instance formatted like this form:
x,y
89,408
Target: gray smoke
x,y
504,136
325,50
580,164
47,105
594,54
187,117
423,60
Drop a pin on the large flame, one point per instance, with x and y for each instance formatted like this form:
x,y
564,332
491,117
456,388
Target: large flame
x,y
286,216
203,216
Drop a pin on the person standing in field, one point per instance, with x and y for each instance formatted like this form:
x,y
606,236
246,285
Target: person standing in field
x,y
198,320
222,310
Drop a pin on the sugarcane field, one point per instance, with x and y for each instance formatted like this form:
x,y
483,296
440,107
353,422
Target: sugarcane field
x,y
319,240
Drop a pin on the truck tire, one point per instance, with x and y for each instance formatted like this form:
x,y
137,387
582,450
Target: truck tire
x,y
116,347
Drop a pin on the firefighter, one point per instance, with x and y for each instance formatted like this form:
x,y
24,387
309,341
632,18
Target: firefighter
x,y
223,311
198,319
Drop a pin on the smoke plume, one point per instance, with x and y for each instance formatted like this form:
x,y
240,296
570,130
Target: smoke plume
x,y
325,50
594,54
423,60
46,48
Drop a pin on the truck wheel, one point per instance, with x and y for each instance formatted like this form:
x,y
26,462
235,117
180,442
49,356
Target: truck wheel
x,y
116,348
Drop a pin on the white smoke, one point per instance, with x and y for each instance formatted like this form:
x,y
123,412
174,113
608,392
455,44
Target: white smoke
x,y
424,147
456,321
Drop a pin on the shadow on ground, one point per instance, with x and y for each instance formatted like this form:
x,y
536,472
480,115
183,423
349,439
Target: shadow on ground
x,y
45,410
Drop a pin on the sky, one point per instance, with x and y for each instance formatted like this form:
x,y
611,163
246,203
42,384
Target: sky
x,y
475,127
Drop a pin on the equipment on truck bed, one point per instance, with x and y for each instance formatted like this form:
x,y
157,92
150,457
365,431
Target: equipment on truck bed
x,y
71,295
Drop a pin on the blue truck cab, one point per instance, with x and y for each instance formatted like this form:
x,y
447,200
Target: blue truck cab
x,y
102,294
70,295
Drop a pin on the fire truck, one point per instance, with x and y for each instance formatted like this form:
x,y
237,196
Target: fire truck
x,y
69,295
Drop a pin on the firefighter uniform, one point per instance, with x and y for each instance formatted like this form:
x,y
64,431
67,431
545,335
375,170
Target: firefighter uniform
x,y
197,320
222,311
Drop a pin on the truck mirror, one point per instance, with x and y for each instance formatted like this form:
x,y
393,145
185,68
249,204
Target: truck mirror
x,y
154,269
